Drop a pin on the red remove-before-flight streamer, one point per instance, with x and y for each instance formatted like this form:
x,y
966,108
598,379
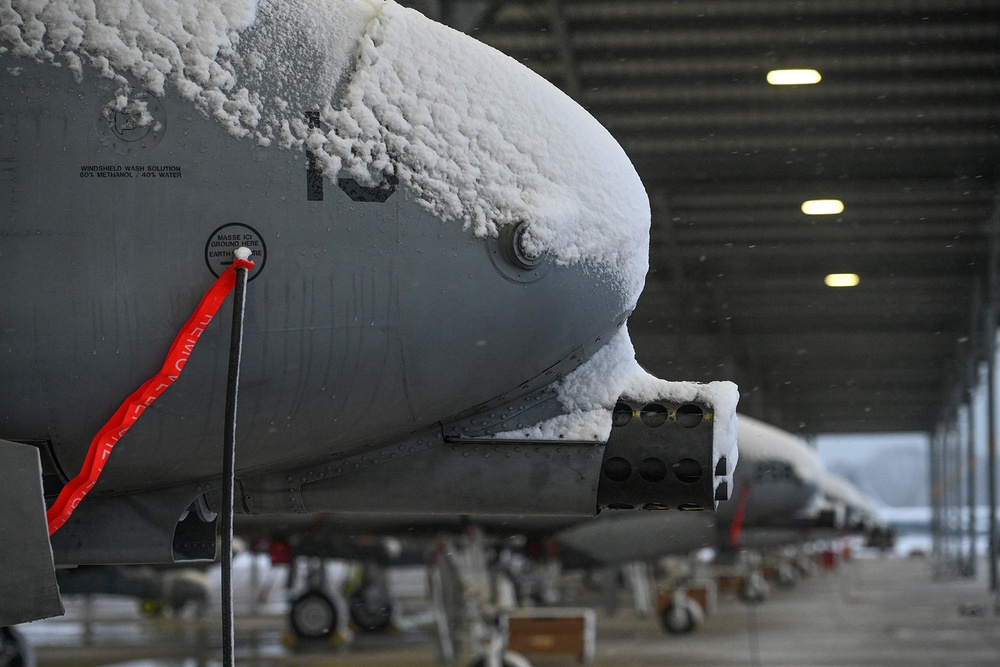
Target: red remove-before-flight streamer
x,y
142,398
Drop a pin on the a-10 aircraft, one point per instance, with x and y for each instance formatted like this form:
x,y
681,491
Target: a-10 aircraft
x,y
445,253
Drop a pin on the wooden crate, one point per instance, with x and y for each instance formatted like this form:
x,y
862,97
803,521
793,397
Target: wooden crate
x,y
552,630
730,583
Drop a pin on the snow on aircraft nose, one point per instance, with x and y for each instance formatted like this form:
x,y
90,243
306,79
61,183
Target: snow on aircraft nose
x,y
477,138
491,269
482,141
493,164
376,92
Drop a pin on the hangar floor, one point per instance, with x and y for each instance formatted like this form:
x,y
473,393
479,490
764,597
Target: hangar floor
x,y
884,612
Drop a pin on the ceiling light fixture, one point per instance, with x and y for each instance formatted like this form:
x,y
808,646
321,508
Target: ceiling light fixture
x,y
793,77
842,280
822,207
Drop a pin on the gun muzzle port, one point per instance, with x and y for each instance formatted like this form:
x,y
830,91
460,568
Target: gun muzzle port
x,y
617,469
689,415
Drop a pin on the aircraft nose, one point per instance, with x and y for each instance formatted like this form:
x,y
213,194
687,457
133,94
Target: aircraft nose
x,y
488,147
482,140
380,94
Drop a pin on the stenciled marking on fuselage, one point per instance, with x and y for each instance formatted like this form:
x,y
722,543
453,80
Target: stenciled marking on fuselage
x,y
227,238
117,171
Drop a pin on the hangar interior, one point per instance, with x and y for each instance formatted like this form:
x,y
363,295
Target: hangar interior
x,y
823,183
902,128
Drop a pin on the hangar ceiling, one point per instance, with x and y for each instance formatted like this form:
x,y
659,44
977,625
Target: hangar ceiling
x,y
904,128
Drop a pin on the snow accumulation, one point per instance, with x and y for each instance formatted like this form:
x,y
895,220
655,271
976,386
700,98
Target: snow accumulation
x,y
759,442
472,134
589,394
840,489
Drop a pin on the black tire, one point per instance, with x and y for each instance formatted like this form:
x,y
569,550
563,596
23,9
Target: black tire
x,y
371,609
678,623
755,590
313,615
786,577
481,662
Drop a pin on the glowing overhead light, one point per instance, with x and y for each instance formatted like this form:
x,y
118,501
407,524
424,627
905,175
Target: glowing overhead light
x,y
842,280
793,77
822,207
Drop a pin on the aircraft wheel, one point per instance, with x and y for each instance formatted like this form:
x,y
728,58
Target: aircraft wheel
x,y
755,590
682,620
510,659
371,609
786,576
14,651
313,615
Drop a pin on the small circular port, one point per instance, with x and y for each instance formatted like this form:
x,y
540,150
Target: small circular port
x,y
687,471
689,415
617,469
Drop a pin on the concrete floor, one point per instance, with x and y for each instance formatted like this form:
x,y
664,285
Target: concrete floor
x,y
867,612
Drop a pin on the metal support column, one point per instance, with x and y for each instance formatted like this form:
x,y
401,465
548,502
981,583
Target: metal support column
x,y
951,487
991,456
961,473
934,485
953,481
991,352
946,482
945,495
970,488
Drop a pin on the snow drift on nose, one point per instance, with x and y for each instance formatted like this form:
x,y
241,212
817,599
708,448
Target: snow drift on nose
x,y
474,135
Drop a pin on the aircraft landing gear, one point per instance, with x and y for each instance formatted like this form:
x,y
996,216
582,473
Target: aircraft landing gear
x,y
313,615
14,651
755,590
682,615
510,659
370,608
369,602
786,575
468,598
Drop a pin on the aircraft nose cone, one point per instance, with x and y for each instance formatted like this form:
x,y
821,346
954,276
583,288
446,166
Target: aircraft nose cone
x,y
482,140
